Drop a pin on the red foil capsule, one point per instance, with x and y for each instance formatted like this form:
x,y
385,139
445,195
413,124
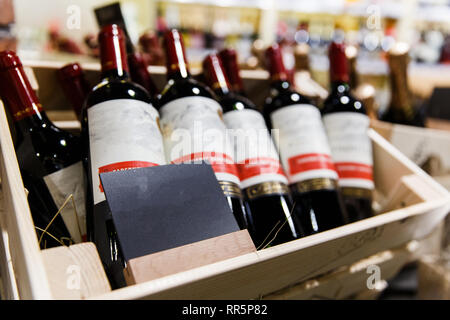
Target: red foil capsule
x,y
74,85
214,73
113,54
339,71
176,56
229,61
15,88
139,73
275,65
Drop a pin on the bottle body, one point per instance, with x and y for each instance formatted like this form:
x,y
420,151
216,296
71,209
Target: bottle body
x,y
272,220
49,159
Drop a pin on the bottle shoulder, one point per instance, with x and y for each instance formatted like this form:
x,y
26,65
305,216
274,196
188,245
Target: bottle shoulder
x,y
342,102
181,88
235,102
116,89
405,116
47,149
283,98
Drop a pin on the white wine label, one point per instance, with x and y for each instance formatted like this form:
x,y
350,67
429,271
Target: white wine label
x,y
351,148
194,131
255,154
123,134
65,183
303,143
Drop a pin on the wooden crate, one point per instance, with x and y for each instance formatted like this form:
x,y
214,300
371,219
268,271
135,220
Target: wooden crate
x,y
427,147
412,203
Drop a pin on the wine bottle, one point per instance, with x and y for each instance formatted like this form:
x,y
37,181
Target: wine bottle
x,y
304,151
347,126
139,73
362,91
121,132
229,59
190,113
401,109
49,159
74,85
263,181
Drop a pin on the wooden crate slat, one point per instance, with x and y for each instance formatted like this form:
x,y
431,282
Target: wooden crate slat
x,y
29,270
246,277
75,272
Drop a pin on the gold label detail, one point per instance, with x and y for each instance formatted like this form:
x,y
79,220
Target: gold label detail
x,y
218,85
266,188
315,184
27,112
356,192
230,189
174,66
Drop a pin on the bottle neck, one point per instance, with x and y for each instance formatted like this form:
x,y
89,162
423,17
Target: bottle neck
x,y
33,122
339,69
20,99
76,90
176,62
278,75
236,83
178,73
340,87
230,62
353,77
280,84
301,54
399,85
215,76
139,73
113,53
221,91
116,74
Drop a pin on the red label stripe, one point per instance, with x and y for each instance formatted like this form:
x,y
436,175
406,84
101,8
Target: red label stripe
x,y
220,162
310,161
122,166
257,166
354,170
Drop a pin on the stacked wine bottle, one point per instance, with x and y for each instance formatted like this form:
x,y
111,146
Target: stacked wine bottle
x,y
287,168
